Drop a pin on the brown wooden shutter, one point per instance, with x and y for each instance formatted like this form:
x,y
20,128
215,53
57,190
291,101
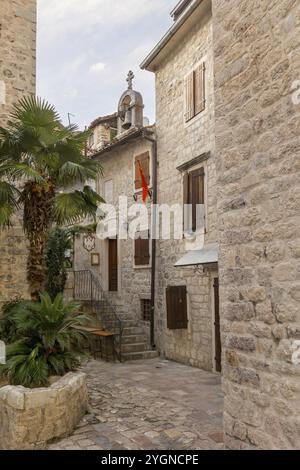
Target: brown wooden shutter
x,y
144,159
185,201
142,252
196,193
189,97
113,265
176,297
199,88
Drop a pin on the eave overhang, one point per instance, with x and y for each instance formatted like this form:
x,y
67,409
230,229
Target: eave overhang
x,y
177,31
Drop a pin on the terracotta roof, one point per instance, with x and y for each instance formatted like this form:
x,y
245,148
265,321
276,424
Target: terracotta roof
x,y
109,119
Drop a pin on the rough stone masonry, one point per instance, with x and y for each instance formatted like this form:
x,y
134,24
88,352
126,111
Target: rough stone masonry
x,y
257,60
17,79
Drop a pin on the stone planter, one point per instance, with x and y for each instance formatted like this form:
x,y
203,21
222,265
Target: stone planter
x,y
29,418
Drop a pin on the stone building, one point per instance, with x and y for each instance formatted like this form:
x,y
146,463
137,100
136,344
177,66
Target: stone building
x,y
17,79
187,327
257,124
122,266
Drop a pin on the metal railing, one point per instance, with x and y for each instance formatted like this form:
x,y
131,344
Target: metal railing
x,y
88,288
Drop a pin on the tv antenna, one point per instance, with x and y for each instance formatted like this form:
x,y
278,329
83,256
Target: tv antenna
x,y
69,118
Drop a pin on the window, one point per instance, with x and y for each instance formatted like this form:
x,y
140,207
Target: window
x,y
144,160
176,297
146,309
193,189
142,250
109,191
195,92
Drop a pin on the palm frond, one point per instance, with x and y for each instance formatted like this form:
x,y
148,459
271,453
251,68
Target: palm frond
x,y
35,112
71,173
17,171
6,213
74,206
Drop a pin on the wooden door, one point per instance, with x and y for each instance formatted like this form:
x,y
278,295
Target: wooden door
x,y
113,265
218,346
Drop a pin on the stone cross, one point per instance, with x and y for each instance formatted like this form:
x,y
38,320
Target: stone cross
x,y
129,79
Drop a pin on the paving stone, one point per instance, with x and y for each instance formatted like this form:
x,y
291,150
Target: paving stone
x,y
131,407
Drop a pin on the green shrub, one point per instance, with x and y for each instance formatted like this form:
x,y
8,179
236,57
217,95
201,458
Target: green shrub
x,y
58,242
43,340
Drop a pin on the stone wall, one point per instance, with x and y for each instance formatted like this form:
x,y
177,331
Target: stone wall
x,y
257,59
31,418
17,78
179,143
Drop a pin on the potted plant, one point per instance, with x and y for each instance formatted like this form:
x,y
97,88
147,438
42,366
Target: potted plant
x,y
42,341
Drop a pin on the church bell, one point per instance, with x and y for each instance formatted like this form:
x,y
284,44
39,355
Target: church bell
x,y
128,120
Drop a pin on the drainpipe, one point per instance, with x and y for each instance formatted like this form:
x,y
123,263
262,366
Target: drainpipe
x,y
153,257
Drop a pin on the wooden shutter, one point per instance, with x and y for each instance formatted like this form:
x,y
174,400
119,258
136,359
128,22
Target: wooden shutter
x,y
199,88
176,297
144,159
196,193
142,252
189,97
113,265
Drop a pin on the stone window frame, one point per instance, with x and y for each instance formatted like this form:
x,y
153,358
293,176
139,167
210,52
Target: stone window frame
x,y
137,192
145,303
194,164
142,266
204,59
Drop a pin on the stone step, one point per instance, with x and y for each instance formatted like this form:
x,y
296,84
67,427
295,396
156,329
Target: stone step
x,y
136,356
133,330
129,323
134,347
130,339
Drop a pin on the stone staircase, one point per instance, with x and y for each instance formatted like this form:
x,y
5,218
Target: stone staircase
x,y
134,343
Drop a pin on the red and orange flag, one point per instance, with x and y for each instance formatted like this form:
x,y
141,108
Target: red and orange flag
x,y
145,186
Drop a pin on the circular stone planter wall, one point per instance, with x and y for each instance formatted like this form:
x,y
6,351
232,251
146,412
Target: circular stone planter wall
x,y
29,418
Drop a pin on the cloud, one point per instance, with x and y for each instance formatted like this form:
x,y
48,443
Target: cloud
x,y
71,15
85,49
97,68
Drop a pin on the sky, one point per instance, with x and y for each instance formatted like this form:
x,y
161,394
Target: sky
x,y
86,48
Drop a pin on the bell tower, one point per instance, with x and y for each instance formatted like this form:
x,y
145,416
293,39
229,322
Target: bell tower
x,y
17,52
130,109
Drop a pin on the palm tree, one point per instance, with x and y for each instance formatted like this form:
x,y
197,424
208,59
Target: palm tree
x,y
42,163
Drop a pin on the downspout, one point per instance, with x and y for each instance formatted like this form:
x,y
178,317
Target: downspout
x,y
153,252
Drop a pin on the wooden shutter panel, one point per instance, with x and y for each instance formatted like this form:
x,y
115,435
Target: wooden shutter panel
x,y
144,159
189,97
142,252
113,265
196,193
199,88
176,297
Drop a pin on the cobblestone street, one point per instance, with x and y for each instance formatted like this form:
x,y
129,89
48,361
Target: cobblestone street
x,y
150,404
